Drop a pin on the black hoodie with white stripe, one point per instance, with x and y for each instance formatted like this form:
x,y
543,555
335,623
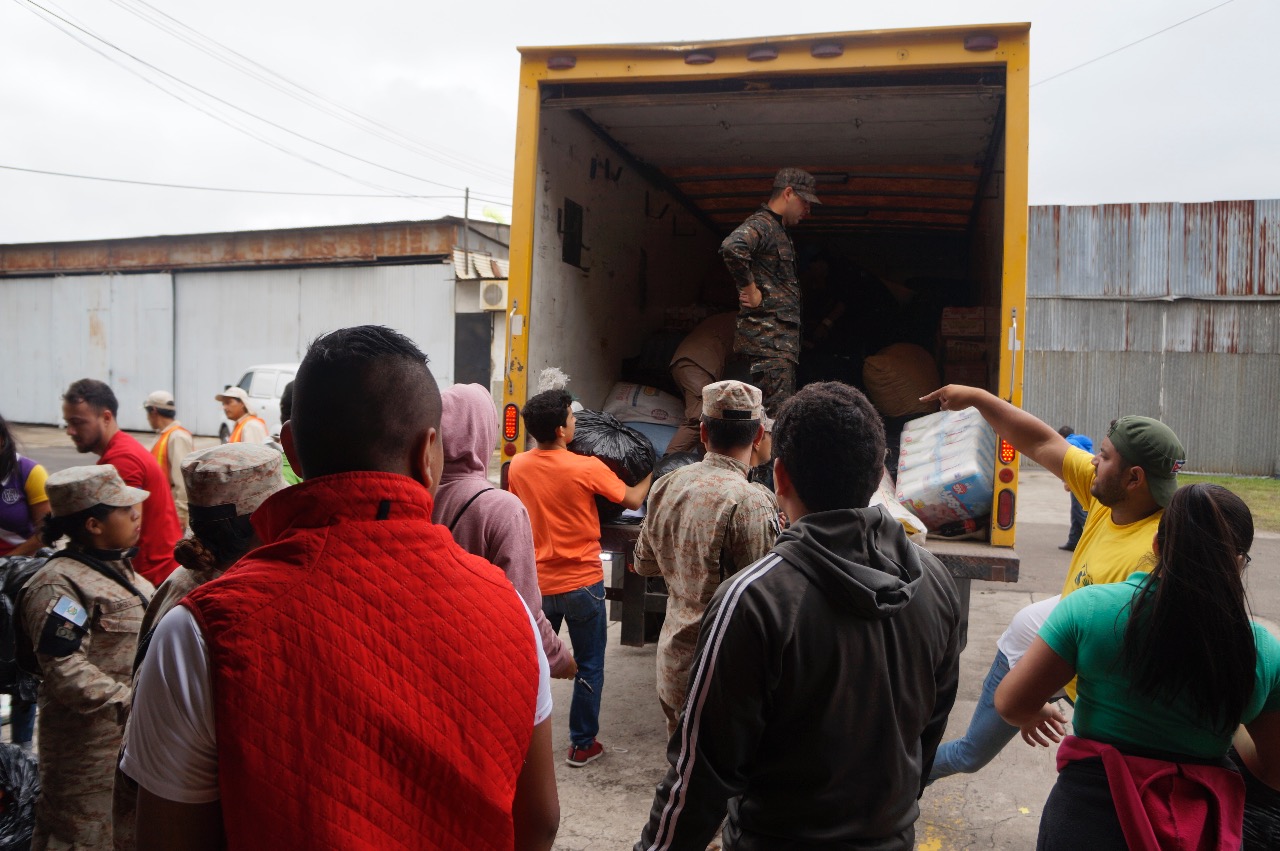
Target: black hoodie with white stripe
x,y
820,690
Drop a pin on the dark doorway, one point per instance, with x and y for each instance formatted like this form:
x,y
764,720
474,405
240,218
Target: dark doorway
x,y
472,339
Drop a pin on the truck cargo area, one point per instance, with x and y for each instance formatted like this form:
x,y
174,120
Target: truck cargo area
x,y
639,181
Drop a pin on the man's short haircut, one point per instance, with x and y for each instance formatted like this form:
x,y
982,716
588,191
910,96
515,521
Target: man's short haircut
x,y
730,434
286,403
362,398
1066,431
831,441
546,412
96,393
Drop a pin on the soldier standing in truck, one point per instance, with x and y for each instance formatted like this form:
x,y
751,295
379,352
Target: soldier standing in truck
x,y
762,260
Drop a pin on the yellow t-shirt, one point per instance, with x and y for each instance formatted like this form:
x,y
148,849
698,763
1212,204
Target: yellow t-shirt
x,y
1107,552
35,485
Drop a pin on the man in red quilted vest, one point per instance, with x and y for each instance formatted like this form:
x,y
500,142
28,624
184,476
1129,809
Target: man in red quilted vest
x,y
359,681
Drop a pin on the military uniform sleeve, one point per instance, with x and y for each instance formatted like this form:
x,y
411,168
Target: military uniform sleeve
x,y
753,530
720,728
61,643
738,250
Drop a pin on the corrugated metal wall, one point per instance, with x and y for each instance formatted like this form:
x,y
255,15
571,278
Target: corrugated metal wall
x,y
111,327
227,321
121,329
1166,310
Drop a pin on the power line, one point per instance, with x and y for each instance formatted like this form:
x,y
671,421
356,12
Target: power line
x,y
240,109
194,37
1131,44
206,109
230,189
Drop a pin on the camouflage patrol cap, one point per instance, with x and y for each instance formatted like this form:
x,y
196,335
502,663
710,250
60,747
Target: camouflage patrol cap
x,y
242,475
734,400
77,488
798,179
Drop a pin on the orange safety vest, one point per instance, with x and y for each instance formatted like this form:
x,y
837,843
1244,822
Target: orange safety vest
x,y
161,449
235,433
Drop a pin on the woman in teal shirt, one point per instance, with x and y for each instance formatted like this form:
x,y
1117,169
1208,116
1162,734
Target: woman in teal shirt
x,y
1169,664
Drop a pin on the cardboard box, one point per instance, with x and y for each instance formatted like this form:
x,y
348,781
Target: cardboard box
x,y
970,321
974,374
963,350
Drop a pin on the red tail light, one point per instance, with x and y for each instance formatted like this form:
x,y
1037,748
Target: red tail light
x,y
1007,452
1004,509
510,422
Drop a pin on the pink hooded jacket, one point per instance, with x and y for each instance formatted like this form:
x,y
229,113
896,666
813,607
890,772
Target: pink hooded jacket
x,y
495,526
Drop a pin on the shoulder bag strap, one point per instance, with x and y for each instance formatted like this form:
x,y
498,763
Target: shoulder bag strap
x,y
453,523
101,567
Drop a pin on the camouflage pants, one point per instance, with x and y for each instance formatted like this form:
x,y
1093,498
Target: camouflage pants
x,y
776,378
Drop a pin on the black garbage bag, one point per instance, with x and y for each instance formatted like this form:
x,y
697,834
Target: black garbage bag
x,y
19,786
623,449
14,573
674,461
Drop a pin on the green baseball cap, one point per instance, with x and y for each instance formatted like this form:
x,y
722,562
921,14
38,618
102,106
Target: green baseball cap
x,y
1151,445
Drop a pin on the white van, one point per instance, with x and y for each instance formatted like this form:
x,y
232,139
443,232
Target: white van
x,y
264,384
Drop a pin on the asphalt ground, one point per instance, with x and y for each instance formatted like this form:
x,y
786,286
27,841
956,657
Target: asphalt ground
x,y
604,805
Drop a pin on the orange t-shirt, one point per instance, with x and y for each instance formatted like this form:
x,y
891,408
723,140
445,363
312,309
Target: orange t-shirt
x,y
558,489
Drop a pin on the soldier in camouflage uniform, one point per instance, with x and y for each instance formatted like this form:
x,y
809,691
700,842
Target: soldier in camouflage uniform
x,y
762,261
704,523
80,614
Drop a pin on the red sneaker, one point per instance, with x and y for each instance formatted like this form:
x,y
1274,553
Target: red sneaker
x,y
579,757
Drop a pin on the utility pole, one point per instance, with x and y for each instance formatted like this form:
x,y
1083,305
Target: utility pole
x,y
466,226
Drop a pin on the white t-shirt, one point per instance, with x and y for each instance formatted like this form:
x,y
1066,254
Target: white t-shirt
x,y
170,746
1016,640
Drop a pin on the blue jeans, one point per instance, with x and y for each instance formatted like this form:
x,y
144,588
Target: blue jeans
x,y
584,611
1078,516
987,734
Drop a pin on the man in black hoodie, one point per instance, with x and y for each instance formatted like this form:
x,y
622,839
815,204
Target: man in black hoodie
x,y
825,671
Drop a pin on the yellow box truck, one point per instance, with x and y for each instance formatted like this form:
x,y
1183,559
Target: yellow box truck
x,y
634,161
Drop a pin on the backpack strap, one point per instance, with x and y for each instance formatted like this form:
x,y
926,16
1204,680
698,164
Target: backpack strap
x,y
453,523
101,567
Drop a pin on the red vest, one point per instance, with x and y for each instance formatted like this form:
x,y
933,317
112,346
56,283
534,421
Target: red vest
x,y
374,683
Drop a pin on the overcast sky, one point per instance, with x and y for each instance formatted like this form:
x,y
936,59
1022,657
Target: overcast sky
x,y
1186,115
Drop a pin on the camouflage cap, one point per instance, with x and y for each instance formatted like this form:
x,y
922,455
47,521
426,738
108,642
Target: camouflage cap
x,y
800,180
734,400
236,474
77,488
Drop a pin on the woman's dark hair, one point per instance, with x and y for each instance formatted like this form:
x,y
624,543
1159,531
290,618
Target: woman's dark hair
x,y
215,544
72,525
1189,634
546,412
8,451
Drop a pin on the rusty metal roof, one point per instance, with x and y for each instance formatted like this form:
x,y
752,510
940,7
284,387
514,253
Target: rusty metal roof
x,y
1223,249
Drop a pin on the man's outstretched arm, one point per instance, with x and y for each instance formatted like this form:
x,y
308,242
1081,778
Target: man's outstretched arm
x,y
1032,437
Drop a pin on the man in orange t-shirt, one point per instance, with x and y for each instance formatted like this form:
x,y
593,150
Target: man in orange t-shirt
x,y
558,489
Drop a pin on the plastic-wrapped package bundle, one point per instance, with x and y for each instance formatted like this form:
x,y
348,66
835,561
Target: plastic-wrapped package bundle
x,y
946,469
623,449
